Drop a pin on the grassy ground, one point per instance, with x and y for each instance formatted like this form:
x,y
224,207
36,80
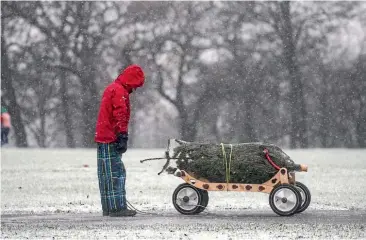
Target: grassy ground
x,y
34,181
63,181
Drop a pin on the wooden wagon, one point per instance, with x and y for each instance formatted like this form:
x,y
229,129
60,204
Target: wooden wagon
x,y
286,195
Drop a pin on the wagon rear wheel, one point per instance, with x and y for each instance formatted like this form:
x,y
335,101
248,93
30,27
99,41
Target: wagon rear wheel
x,y
205,199
285,200
188,199
305,197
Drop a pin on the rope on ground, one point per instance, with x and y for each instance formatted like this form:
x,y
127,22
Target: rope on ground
x,y
152,213
139,211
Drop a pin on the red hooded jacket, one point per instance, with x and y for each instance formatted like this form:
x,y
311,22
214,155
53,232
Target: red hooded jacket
x,y
114,111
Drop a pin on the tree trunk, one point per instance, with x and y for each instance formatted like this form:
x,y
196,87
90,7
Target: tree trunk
x,y
65,105
131,127
298,108
359,78
188,128
247,131
127,59
90,96
247,92
249,119
89,113
190,120
324,120
324,127
90,99
42,129
249,127
361,127
7,87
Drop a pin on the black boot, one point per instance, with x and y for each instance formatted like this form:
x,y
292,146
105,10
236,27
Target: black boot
x,y
105,213
123,213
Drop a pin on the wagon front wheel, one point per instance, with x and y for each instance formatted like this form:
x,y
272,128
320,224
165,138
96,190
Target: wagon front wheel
x,y
305,197
187,199
285,200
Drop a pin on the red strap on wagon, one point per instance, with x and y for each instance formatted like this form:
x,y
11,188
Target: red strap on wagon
x,y
270,160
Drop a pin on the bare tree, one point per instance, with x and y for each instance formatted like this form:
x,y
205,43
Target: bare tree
x,y
80,33
176,49
275,74
9,98
42,101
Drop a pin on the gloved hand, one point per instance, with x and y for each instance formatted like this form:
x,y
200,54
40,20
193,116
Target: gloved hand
x,y
121,142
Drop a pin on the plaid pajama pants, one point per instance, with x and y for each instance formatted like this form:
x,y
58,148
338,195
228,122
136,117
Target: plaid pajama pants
x,y
112,178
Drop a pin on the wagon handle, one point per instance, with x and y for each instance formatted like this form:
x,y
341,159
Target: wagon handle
x,y
167,161
153,159
166,155
150,159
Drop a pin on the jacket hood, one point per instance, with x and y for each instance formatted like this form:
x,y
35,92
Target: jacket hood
x,y
132,77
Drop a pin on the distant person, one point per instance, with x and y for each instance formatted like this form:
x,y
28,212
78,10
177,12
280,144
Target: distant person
x,y
5,126
111,137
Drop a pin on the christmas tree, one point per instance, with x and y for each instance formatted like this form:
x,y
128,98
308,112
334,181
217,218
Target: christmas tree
x,y
252,163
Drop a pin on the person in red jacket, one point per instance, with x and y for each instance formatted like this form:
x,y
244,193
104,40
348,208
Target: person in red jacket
x,y
5,126
111,137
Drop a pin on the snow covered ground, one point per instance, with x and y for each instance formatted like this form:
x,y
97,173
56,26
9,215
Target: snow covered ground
x,y
63,183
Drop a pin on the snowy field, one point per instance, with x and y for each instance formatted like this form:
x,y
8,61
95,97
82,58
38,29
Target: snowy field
x,y
54,193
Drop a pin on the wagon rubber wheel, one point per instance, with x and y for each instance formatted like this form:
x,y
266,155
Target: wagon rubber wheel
x,y
205,199
188,199
305,196
285,200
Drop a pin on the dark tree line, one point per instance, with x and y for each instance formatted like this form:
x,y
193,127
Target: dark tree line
x,y
280,72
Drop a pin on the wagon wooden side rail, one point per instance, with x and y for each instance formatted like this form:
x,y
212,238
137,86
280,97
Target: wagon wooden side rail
x,y
281,177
